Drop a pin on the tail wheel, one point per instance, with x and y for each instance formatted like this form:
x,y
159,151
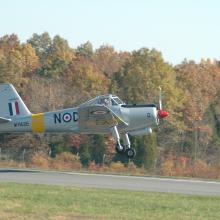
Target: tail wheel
x,y
131,153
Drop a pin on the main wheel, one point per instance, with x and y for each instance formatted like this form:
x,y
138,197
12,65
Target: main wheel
x,y
131,153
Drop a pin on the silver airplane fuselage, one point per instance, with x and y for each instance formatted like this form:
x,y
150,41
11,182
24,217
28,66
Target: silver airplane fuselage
x,y
67,120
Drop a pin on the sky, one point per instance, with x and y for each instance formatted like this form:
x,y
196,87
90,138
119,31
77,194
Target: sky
x,y
180,29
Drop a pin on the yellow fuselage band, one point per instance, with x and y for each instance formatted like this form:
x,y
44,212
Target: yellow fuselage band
x,y
38,123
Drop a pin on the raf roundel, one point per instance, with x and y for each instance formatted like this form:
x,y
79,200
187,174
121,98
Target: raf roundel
x,y
67,117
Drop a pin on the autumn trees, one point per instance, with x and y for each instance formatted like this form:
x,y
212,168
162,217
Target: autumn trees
x,y
200,83
50,75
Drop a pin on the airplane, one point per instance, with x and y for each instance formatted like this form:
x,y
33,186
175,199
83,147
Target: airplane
x,y
105,114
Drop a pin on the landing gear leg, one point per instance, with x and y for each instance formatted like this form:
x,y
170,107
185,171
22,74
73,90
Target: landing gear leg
x,y
119,148
126,140
130,152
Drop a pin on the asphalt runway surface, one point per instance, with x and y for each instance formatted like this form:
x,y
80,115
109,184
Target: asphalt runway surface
x,y
150,184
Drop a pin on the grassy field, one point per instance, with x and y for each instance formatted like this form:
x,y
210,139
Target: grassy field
x,y
42,202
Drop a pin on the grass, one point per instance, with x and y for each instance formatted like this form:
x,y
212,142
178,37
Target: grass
x,y
43,202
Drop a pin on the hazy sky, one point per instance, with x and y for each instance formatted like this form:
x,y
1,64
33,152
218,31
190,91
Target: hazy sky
x,y
178,28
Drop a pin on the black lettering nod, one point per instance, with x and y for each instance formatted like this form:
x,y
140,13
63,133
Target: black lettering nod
x,y
57,118
75,116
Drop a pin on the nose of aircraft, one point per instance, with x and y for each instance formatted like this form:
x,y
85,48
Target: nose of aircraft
x,y
162,114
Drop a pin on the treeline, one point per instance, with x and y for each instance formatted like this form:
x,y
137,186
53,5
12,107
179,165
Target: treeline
x,y
50,75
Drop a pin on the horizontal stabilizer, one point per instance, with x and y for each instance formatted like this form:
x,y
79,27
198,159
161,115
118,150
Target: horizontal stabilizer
x,y
4,120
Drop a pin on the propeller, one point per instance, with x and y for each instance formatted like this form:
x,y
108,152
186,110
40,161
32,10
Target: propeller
x,y
160,112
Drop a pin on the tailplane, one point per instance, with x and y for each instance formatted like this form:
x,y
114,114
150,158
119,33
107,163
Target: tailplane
x,y
11,104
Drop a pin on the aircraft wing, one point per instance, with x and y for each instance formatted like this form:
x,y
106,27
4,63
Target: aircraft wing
x,y
4,120
98,117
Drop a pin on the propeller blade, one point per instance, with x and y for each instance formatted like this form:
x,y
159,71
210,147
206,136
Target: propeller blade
x,y
160,98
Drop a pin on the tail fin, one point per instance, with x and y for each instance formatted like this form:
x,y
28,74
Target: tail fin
x,y
11,103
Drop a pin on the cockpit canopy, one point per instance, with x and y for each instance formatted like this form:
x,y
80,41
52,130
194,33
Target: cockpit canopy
x,y
108,100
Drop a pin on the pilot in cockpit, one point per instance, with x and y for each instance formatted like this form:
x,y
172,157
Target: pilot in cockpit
x,y
105,101
110,101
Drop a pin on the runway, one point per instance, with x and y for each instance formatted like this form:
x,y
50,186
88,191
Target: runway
x,y
150,184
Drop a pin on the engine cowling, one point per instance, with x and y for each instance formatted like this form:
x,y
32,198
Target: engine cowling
x,y
144,131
